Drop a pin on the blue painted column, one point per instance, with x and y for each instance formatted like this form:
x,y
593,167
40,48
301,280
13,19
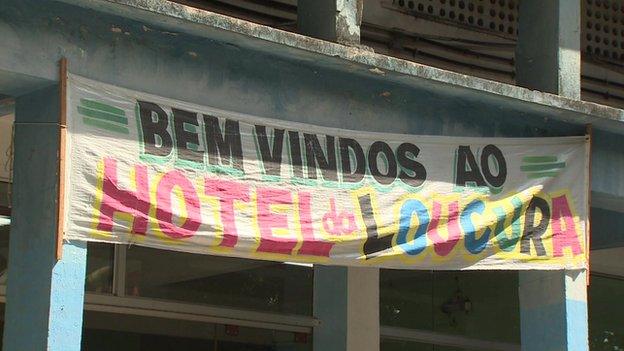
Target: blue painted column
x,y
553,304
44,297
346,301
553,310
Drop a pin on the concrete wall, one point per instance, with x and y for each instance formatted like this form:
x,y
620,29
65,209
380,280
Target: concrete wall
x,y
244,77
173,64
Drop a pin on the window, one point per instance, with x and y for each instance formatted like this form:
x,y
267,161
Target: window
x,y
100,265
444,311
146,299
104,332
606,313
7,106
401,345
224,281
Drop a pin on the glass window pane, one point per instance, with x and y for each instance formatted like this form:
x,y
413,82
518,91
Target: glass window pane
x,y
400,345
6,151
235,282
494,312
479,305
5,194
606,313
4,252
100,265
406,299
451,348
107,331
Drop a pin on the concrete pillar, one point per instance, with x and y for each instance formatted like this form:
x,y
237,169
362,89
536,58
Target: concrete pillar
x,y
346,301
548,56
44,297
553,310
553,304
333,20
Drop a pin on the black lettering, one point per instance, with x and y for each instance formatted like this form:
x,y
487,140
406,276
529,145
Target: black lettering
x,y
532,232
494,180
223,146
271,156
296,160
185,138
315,156
355,174
154,122
471,173
379,147
417,172
374,244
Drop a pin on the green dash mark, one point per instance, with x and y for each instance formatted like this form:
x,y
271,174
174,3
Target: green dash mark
x,y
542,167
99,114
105,125
550,174
539,159
95,105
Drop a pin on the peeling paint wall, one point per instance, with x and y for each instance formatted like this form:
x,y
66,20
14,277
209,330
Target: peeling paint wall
x,y
348,20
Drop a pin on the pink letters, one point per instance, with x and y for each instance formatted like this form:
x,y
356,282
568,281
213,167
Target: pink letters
x,y
567,236
164,210
227,192
269,220
443,246
114,199
311,245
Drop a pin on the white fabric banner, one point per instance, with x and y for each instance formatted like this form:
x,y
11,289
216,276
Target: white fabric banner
x,y
168,174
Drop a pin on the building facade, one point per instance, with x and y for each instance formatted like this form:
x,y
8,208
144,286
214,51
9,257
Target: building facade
x,y
445,68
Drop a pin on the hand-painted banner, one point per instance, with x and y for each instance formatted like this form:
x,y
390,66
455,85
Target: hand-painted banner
x,y
163,173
